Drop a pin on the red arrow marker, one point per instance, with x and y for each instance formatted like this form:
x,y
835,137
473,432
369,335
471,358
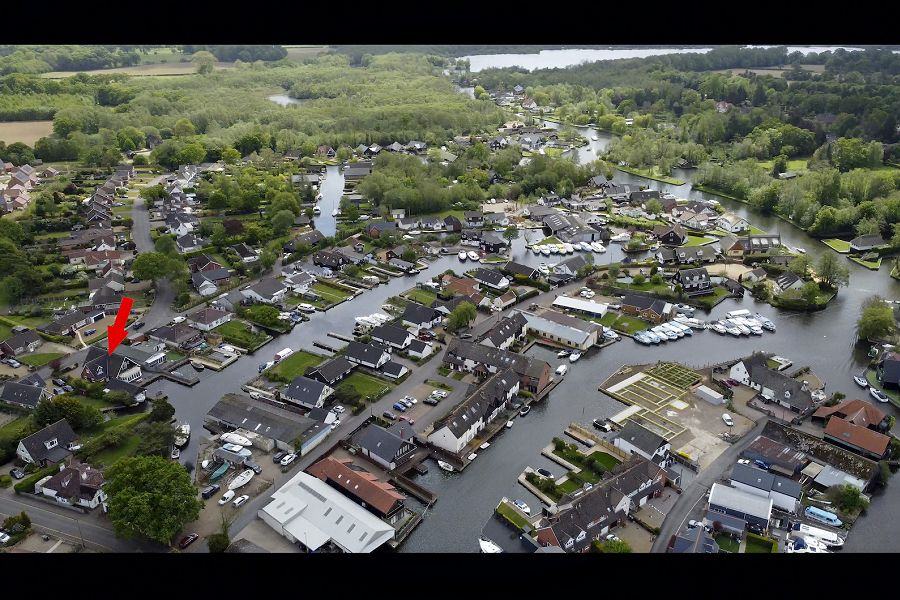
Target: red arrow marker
x,y
116,331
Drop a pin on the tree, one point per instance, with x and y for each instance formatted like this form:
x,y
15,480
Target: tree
x,y
832,272
205,62
218,542
184,128
230,155
638,279
282,221
120,397
154,266
150,496
409,255
162,411
848,498
876,320
156,439
779,165
267,258
79,416
613,271
654,206
461,316
810,292
800,265
165,244
610,547
511,233
351,213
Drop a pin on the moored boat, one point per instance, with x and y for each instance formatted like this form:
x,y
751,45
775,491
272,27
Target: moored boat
x,y
183,435
524,411
574,356
598,247
241,480
485,446
234,438
861,381
488,547
473,255
509,424
545,250
198,365
462,255
446,466
520,504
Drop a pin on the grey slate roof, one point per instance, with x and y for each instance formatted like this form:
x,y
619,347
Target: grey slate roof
x,y
366,353
61,431
304,390
332,369
779,383
390,333
21,393
507,327
419,313
381,442
268,421
642,438
490,276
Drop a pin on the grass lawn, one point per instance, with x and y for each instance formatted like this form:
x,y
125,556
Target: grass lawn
x,y
458,375
650,174
510,514
239,334
867,264
756,230
15,429
293,366
93,402
27,321
698,240
41,359
5,331
727,544
549,240
425,297
647,286
623,323
174,355
794,164
110,456
714,298
759,545
837,245
554,152
329,293
365,384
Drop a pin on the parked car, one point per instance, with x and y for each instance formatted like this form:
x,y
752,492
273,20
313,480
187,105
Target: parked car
x,y
728,420
693,524
250,464
4,537
338,409
188,540
426,335
14,363
288,459
761,464
68,388
399,407
17,473
465,336
612,537
90,332
440,393
743,461
59,382
138,325
240,500
276,458
431,400
210,491
406,402
389,415
734,382
179,319
410,399
57,391
336,423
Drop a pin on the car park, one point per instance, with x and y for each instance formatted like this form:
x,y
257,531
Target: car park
x,y
188,540
210,491
278,456
226,497
240,500
431,400
389,415
288,459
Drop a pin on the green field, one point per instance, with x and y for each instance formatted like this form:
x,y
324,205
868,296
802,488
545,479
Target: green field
x,y
794,164
15,430
874,266
698,240
511,515
365,384
5,332
329,293
239,334
39,360
422,296
293,366
837,245
623,323
760,545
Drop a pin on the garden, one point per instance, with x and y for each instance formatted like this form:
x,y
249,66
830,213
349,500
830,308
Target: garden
x,y
239,334
293,366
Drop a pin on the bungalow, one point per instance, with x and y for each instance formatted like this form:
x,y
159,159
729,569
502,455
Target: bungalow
x,y
888,371
374,230
515,268
299,282
357,170
190,243
332,260
385,447
393,370
636,439
732,223
408,223
695,541
21,343
788,281
492,278
23,394
208,319
245,253
52,444
474,218
202,263
207,282
505,300
694,282
177,336
309,238
538,213
506,332
856,412
76,485
432,223
641,196
367,355
693,220
754,275
670,235
572,265
101,366
455,430
306,392
416,146
420,316
654,310
401,264
419,349
772,385
496,219
331,371
392,336
733,246
864,243
268,291
492,243
754,509
453,286
73,321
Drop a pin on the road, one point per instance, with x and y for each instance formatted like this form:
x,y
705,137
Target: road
x,y
695,493
90,528
160,311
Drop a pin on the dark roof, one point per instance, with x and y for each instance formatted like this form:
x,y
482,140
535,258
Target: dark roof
x,y
244,546
890,370
21,340
243,250
641,437
331,370
695,541
417,345
367,353
21,393
392,368
495,357
489,276
381,442
506,328
576,262
483,401
753,477
61,431
520,269
304,390
868,241
381,225
785,389
419,313
390,333
268,421
775,453
644,303
207,315
76,481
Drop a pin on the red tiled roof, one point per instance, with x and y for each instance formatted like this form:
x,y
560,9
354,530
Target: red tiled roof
x,y
863,438
858,412
378,494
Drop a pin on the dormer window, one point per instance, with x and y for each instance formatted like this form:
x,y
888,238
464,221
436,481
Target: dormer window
x,y
51,443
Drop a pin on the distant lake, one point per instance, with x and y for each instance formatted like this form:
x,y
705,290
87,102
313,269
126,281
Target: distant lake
x,y
283,100
549,59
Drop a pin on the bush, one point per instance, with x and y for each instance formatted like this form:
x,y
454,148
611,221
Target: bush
x,y
27,484
5,481
218,542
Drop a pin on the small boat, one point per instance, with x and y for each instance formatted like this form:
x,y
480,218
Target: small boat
x,y
574,356
488,547
562,354
801,250
472,456
473,255
569,248
176,453
873,352
485,446
234,438
878,394
598,247
805,546
733,331
685,309
861,381
718,328
316,209
594,138
561,369
319,196
198,365
524,411
462,255
446,466
545,250
544,269
183,435
219,472
536,249
520,504
553,249
241,480
335,212
509,424
621,238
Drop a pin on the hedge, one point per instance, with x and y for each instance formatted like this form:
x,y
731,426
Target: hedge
x,y
27,484
525,280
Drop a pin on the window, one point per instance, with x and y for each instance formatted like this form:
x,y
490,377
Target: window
x,y
51,443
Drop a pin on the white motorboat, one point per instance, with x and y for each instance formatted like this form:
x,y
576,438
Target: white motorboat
x,y
241,480
472,456
544,269
800,250
861,381
768,326
462,255
621,238
685,309
473,255
829,538
718,328
733,331
654,337
316,209
176,453
485,446
335,212
574,357
488,547
808,545
520,504
509,424
878,394
554,249
234,438
594,138
598,247
545,250
536,249
562,354
446,466
183,435
569,248
561,370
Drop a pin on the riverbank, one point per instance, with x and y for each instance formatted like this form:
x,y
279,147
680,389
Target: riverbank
x,y
643,173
